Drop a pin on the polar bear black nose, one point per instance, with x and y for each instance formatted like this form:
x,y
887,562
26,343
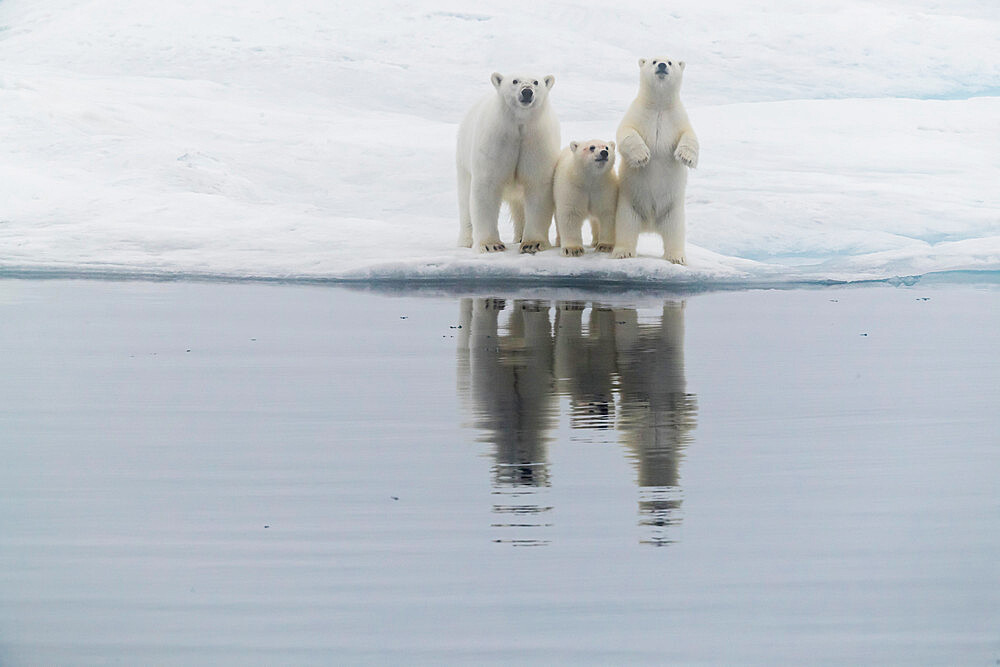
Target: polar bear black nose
x,y
604,153
662,67
527,94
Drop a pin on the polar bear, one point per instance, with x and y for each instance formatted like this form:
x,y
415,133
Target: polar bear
x,y
585,186
508,145
657,145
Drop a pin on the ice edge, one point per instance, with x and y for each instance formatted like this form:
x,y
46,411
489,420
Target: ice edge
x,y
445,279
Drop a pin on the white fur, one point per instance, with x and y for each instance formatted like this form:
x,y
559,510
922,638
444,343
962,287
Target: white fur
x,y
657,145
585,186
507,151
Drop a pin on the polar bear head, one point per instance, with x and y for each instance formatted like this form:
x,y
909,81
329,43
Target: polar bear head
x,y
594,156
522,92
661,74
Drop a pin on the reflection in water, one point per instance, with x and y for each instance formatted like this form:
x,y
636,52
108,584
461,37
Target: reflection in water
x,y
617,372
511,389
585,363
657,415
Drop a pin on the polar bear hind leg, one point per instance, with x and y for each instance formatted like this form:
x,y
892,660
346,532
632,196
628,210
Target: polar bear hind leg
x,y
602,226
595,231
671,228
517,217
464,212
538,207
627,226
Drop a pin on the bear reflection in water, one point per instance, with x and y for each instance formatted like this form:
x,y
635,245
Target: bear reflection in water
x,y
508,377
617,371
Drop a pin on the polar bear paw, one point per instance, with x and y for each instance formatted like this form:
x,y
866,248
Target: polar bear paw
x,y
603,247
687,156
491,246
572,251
637,157
622,253
682,260
532,246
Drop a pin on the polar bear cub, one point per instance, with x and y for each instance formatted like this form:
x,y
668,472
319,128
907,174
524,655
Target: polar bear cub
x,y
508,145
657,146
585,186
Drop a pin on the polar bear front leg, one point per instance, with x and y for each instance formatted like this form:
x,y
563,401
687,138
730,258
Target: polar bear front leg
x,y
538,208
569,227
633,148
627,225
485,208
687,150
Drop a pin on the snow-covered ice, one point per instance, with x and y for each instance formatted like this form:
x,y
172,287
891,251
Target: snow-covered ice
x,y
314,140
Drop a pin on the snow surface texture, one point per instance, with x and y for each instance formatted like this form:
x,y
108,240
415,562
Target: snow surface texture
x,y
315,140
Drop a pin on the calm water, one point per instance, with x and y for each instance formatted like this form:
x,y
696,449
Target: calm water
x,y
279,474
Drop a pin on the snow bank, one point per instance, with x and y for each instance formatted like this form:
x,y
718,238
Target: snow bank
x,y
314,140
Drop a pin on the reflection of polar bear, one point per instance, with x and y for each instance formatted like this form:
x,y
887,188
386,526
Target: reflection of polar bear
x,y
585,363
508,145
585,186
511,385
657,146
516,373
656,414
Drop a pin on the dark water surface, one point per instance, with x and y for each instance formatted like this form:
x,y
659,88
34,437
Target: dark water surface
x,y
279,474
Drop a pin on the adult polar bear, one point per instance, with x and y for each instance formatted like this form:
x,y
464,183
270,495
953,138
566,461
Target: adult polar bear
x,y
657,145
508,145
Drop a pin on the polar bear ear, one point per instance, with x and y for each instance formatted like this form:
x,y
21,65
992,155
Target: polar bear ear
x,y
573,145
681,63
497,79
642,62
549,81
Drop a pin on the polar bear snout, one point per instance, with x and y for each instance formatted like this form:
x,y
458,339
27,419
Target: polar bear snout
x,y
527,95
600,153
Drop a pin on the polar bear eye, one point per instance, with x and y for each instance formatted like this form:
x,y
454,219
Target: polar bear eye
x,y
670,63
591,149
536,83
514,82
654,62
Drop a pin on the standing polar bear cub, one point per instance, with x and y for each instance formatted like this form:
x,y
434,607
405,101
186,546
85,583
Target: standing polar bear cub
x,y
585,186
657,145
508,145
